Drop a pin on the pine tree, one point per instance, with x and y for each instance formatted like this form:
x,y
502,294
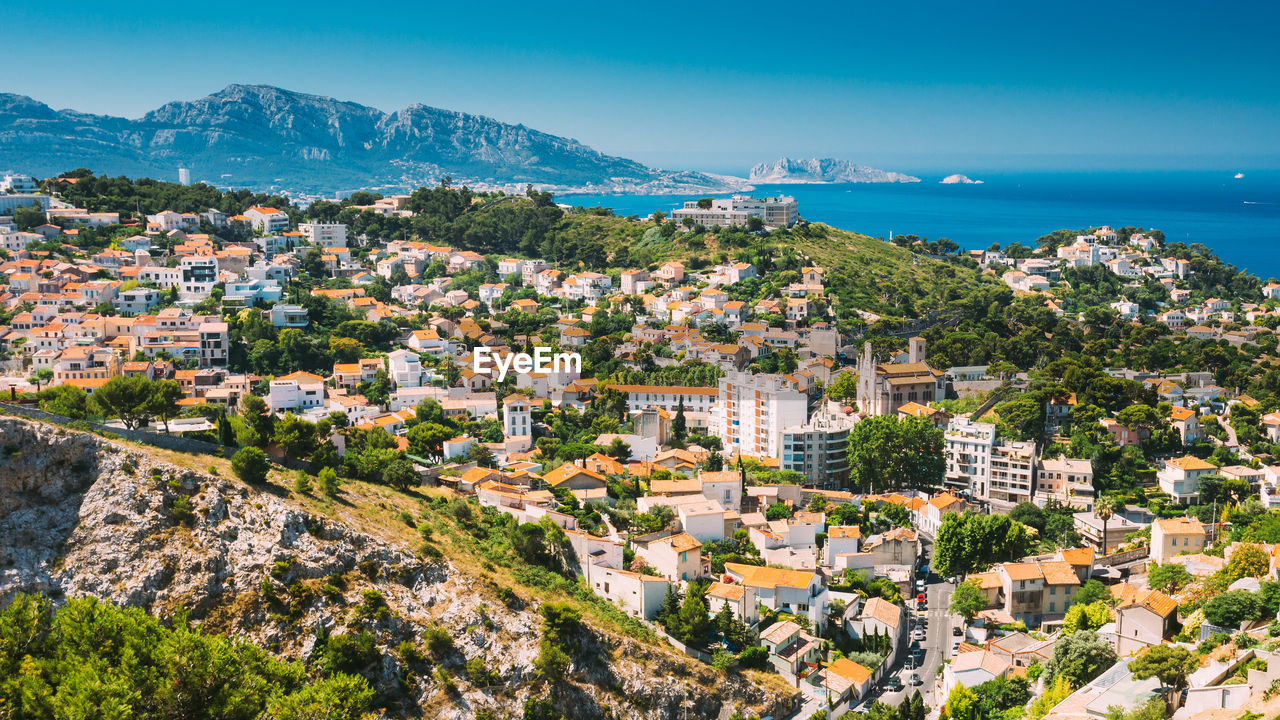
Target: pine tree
x,y
678,427
301,483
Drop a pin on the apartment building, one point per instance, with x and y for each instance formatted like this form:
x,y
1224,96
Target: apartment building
x,y
325,235
819,448
1176,536
214,343
752,411
267,219
668,397
977,462
775,212
1067,481
199,275
1013,466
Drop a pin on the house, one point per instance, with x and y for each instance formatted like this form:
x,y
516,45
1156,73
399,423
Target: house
x,y
740,599
1187,422
1143,618
574,478
267,219
971,669
1180,478
883,618
845,682
677,557
792,651
1175,536
1124,522
801,592
1066,480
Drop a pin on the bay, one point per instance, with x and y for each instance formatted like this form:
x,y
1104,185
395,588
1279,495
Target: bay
x,y
1238,218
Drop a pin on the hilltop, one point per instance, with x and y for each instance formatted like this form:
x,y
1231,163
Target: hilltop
x,y
261,137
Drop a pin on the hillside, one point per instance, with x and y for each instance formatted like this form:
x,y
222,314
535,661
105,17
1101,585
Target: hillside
x,y
260,137
862,272
333,583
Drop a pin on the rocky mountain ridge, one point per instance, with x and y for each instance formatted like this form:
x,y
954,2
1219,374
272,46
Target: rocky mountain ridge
x,y
263,137
81,515
822,170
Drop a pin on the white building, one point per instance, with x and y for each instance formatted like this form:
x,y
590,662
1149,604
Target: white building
x,y
752,411
18,184
724,212
517,420
297,391
819,448
405,368
267,219
325,235
199,275
1180,478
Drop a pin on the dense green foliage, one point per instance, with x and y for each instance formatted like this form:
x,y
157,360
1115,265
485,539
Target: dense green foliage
x,y
93,659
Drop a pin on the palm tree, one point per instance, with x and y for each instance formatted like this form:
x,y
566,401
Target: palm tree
x,y
1104,508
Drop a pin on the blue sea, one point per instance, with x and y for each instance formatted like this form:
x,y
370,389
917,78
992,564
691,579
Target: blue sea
x,y
1238,218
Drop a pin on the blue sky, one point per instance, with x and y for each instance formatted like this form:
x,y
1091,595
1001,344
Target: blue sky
x,y
721,86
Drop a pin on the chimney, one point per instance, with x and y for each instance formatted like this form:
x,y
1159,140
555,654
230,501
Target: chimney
x,y
915,350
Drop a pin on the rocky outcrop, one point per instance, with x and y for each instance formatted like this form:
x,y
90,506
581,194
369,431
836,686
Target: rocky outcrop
x,y
264,137
822,170
80,515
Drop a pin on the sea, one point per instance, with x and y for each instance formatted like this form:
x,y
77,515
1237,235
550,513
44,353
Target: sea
x,y
1237,217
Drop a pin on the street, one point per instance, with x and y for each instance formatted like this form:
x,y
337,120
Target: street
x,y
937,642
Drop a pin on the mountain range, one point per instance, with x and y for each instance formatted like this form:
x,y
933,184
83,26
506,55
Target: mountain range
x,y
823,170
263,137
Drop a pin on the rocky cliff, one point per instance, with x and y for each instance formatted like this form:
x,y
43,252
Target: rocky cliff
x,y
263,137
80,515
822,170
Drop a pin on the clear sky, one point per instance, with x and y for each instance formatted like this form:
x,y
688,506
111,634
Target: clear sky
x,y
716,85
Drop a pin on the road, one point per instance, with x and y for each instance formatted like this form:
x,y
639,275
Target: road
x,y
938,638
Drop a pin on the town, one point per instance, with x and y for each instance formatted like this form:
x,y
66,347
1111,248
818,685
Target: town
x,y
963,512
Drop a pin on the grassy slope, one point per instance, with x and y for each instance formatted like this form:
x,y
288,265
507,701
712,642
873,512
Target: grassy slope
x,y
870,274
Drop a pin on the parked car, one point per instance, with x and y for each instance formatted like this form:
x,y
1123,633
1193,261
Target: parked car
x,y
892,683
918,635
957,631
918,654
915,679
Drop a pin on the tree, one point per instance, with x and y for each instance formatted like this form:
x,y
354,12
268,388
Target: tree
x,y
301,483
1104,508
40,377
695,621
1022,418
843,387
1082,616
1029,514
1169,578
1093,591
295,436
778,511
1138,417
967,542
127,397
427,439
1167,663
1232,608
888,453
329,482
400,474
678,426
250,465
165,395
255,413
66,400
1246,561
962,704
968,599
1079,658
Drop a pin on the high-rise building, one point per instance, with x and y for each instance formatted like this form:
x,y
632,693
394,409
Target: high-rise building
x,y
752,411
184,176
988,468
819,447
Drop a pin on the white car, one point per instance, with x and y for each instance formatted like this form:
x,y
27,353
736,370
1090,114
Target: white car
x,y
918,635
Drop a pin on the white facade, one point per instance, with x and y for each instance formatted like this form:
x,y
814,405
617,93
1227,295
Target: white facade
x,y
325,235
752,411
725,212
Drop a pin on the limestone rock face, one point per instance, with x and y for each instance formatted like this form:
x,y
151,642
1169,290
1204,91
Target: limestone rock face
x,y
823,170
83,516
264,137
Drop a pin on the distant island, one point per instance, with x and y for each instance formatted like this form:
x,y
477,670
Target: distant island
x,y
959,179
822,170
